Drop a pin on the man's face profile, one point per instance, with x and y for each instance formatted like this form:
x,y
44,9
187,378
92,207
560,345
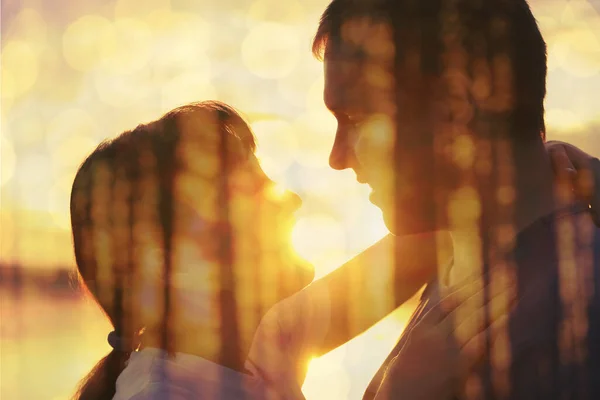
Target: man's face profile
x,y
381,135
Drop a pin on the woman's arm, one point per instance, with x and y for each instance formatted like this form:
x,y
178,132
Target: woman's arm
x,y
377,281
343,304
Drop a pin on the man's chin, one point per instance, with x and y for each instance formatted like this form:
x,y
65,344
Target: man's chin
x,y
400,224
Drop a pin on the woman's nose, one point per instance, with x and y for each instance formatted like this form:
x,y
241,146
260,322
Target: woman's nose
x,y
292,200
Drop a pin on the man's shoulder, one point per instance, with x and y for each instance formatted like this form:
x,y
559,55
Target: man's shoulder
x,y
561,248
555,326
557,264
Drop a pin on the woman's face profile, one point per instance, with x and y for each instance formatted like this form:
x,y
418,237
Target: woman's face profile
x,y
263,216
257,216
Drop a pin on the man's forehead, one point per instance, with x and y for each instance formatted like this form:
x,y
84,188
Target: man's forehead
x,y
353,81
362,48
361,37
342,76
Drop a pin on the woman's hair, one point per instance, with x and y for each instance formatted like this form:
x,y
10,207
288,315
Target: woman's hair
x,y
122,210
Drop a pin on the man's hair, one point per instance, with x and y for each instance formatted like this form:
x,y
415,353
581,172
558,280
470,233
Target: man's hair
x,y
486,30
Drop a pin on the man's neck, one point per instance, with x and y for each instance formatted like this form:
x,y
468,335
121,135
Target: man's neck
x,y
508,206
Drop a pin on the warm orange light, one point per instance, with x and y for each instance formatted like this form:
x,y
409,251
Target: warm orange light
x,y
68,83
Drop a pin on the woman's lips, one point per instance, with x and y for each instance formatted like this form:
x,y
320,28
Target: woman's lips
x,y
373,196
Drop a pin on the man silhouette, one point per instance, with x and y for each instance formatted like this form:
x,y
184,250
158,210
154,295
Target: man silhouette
x,y
440,110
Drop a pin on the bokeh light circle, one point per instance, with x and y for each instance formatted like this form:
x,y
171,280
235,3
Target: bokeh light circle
x,y
276,147
87,41
124,90
180,38
136,8
21,63
29,25
320,239
187,88
284,12
36,169
315,133
132,49
70,135
578,53
293,88
564,120
24,125
271,50
577,44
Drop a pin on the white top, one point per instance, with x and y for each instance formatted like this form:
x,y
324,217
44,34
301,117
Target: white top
x,y
276,362
150,375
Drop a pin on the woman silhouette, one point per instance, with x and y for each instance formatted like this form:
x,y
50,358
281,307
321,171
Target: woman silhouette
x,y
183,241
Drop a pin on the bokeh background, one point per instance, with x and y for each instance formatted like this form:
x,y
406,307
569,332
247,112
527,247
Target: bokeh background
x,y
75,73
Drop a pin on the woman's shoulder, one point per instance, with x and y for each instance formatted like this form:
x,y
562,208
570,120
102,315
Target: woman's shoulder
x,y
151,375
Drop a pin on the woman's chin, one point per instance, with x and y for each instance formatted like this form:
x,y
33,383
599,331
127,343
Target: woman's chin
x,y
308,274
304,274
300,274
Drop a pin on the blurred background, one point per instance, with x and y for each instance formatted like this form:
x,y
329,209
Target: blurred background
x,y
75,73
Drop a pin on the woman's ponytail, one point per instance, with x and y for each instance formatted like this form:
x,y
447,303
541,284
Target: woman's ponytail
x,y
100,383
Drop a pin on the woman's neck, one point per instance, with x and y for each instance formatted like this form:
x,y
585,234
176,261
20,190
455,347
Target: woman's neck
x,y
208,340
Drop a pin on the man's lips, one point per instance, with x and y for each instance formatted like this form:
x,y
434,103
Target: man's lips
x,y
360,179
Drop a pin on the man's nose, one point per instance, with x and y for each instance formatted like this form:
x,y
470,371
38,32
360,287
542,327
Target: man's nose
x,y
342,153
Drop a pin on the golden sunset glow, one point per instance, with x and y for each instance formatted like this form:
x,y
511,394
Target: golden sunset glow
x,y
76,73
